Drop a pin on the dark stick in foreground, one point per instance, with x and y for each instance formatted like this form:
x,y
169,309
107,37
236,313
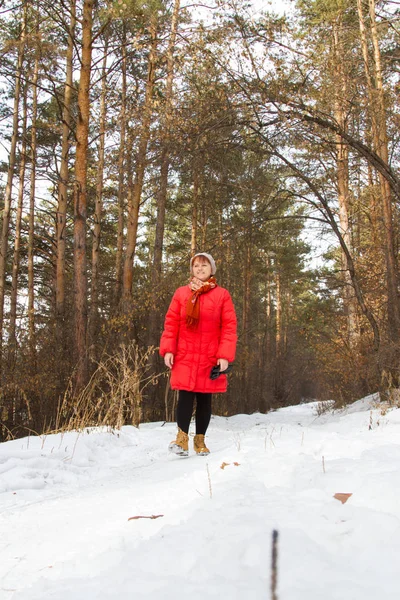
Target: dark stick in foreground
x,y
274,565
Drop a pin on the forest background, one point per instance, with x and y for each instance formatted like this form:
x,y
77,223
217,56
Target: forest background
x,y
136,133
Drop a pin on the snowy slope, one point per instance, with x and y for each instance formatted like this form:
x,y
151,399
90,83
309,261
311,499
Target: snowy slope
x,y
66,501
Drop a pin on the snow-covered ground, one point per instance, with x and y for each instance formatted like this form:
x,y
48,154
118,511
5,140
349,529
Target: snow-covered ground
x,y
66,503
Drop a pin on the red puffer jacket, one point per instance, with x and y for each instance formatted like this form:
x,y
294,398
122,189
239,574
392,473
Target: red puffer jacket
x,y
197,351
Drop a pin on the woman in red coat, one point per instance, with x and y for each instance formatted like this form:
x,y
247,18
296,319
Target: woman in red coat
x,y
199,333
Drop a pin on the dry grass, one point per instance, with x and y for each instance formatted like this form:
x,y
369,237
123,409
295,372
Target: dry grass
x,y
389,394
113,396
324,407
15,411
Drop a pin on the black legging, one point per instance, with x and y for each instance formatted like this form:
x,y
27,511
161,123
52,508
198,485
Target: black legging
x,y
184,410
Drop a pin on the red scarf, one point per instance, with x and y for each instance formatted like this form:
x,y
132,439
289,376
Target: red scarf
x,y
198,287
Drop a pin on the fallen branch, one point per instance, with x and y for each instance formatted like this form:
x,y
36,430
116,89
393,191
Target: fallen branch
x,y
145,517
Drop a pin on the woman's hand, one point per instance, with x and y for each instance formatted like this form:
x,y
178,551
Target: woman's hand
x,y
223,364
169,359
196,284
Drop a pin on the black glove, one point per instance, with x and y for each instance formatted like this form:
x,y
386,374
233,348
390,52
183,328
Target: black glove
x,y
216,371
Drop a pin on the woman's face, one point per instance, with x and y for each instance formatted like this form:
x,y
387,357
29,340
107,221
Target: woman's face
x,y
201,268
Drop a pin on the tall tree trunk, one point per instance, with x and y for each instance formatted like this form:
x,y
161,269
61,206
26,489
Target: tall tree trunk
x,y
373,207
342,170
121,178
246,296
134,200
195,210
94,305
279,334
17,240
80,198
269,356
376,106
61,220
247,276
162,194
221,248
228,259
32,194
197,166
383,152
204,214
10,176
278,311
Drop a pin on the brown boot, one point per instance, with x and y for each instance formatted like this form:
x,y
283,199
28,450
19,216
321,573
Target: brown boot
x,y
200,445
180,446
